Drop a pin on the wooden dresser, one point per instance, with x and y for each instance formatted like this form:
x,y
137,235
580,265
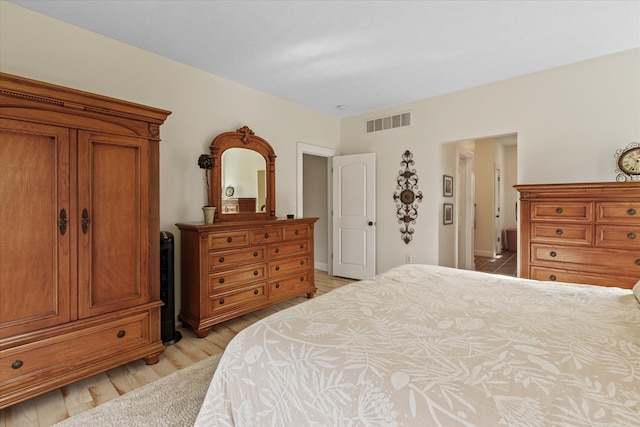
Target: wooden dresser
x,y
581,233
232,268
79,226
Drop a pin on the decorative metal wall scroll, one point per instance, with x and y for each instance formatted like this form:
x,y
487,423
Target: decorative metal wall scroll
x,y
407,197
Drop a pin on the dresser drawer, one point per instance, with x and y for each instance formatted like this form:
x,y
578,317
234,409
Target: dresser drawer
x,y
285,249
561,232
618,236
284,267
234,277
562,211
241,256
266,235
587,259
228,239
620,212
56,354
227,301
297,231
557,275
290,286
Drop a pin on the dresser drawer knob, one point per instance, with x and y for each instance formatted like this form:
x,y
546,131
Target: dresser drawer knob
x,y
266,235
631,211
631,235
638,261
255,292
558,210
121,333
221,301
221,259
277,250
277,268
17,364
297,232
553,254
255,253
221,280
229,239
302,278
255,273
301,245
277,285
553,277
301,262
559,232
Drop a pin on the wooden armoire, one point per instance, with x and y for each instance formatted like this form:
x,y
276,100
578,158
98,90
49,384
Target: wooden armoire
x,y
79,236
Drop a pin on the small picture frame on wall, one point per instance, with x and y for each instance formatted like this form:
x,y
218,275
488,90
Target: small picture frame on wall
x,y
447,186
447,214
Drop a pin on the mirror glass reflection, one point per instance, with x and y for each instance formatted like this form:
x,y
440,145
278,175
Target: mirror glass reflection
x,y
243,181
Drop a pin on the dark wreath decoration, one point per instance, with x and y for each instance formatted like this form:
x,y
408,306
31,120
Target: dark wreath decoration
x,y
407,197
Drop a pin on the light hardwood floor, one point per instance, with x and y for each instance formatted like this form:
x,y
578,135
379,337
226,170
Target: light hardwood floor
x,y
57,405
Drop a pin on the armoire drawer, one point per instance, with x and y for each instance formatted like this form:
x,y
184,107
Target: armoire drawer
x,y
587,259
227,301
558,275
55,354
286,249
227,239
289,286
618,236
618,212
246,274
285,267
562,211
240,256
561,232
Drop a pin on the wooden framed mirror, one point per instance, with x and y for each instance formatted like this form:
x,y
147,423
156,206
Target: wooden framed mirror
x,y
243,178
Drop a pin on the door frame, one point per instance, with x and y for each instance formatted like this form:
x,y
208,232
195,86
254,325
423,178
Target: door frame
x,y
303,148
468,200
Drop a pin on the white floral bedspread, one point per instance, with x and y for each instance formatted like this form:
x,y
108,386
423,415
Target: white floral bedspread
x,y
431,346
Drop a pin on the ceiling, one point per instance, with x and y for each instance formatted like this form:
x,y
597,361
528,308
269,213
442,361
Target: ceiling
x,y
363,55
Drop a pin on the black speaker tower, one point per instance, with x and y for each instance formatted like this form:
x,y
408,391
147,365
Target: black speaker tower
x,y
167,294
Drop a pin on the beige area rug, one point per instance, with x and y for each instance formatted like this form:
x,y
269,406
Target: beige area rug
x,y
171,401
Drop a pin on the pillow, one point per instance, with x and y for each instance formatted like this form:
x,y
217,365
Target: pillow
x,y
636,290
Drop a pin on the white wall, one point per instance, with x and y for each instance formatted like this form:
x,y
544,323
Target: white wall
x,y
203,105
569,121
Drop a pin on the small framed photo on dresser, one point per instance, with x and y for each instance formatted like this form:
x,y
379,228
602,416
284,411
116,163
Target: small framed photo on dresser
x,y
447,186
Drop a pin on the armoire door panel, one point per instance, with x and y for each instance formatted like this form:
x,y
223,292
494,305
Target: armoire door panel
x,y
113,205
35,251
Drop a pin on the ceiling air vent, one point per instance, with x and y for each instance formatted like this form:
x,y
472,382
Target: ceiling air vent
x,y
389,122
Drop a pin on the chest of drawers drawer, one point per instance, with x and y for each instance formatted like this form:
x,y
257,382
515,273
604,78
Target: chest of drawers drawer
x,y
587,259
238,276
560,275
289,286
284,267
231,300
266,235
286,249
562,211
562,232
296,232
618,236
618,212
226,240
219,259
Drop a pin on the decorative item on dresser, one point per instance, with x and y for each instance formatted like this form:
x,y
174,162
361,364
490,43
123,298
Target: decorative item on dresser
x,y
581,233
248,259
79,219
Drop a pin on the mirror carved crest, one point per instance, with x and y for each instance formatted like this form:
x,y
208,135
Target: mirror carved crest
x,y
240,189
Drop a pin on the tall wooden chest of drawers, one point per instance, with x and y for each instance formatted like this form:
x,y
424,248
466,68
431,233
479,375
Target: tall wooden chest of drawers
x,y
232,268
581,233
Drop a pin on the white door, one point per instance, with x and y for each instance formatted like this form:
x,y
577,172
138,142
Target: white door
x,y
353,213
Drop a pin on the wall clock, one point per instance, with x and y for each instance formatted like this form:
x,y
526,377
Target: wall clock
x,y
628,163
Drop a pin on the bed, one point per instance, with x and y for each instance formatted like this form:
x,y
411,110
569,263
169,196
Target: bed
x,y
434,346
